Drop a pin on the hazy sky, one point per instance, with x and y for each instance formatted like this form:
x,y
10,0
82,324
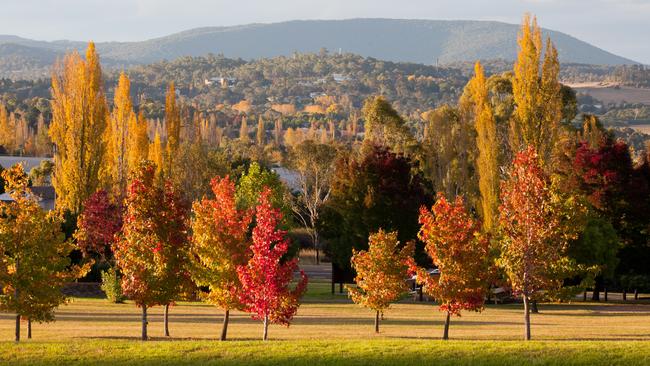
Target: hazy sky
x,y
618,26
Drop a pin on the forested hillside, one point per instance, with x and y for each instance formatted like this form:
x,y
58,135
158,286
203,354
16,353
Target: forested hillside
x,y
421,41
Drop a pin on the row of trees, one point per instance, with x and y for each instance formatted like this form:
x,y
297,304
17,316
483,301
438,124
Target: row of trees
x,y
513,128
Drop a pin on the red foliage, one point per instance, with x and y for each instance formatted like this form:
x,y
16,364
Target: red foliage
x,y
265,279
98,225
602,172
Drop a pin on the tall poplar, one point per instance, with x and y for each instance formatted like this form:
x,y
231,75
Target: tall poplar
x,y
173,124
487,145
117,135
79,119
536,90
137,142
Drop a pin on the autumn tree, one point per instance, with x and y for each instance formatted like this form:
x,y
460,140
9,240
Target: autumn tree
x,y
98,225
79,119
137,142
314,164
265,280
537,94
219,246
381,272
454,241
156,153
151,251
117,136
173,124
533,245
34,262
487,144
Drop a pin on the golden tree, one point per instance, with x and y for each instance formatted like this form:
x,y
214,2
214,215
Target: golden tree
x,y
381,272
156,154
173,124
137,142
117,135
536,90
79,118
487,144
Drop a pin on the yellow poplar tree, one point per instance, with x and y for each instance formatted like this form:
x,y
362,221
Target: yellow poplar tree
x,y
79,119
487,144
536,92
156,154
117,133
6,130
173,123
138,142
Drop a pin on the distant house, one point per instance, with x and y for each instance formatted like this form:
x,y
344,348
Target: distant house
x,y
43,194
223,81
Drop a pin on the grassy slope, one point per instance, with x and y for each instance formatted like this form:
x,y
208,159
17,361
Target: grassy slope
x,y
330,330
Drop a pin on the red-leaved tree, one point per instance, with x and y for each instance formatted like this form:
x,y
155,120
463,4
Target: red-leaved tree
x,y
219,246
456,246
97,226
265,281
151,251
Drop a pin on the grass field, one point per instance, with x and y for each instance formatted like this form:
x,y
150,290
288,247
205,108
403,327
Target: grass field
x,y
330,330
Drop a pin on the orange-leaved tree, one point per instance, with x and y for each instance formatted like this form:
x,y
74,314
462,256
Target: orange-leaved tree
x,y
219,245
381,272
266,278
533,244
456,246
151,251
34,262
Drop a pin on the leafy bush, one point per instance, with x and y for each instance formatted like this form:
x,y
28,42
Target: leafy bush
x,y
111,286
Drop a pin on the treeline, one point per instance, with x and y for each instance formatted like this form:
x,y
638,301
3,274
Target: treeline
x,y
512,184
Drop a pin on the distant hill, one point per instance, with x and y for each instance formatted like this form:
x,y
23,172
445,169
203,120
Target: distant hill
x,y
418,41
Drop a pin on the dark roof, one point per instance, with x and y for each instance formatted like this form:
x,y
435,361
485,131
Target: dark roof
x,y
44,192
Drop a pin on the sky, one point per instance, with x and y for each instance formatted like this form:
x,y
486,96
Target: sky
x,y
618,26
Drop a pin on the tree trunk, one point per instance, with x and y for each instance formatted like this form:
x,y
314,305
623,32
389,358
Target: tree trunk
x,y
144,323
533,307
445,334
166,320
29,328
17,328
636,294
526,318
377,322
266,328
316,246
224,329
605,292
599,284
624,295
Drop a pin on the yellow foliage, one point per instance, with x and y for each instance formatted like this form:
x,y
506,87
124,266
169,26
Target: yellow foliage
x,y
79,119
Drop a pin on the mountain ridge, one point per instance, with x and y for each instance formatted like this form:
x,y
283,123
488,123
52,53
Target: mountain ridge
x,y
401,40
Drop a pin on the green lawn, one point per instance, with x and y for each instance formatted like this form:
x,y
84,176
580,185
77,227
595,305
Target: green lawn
x,y
331,330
